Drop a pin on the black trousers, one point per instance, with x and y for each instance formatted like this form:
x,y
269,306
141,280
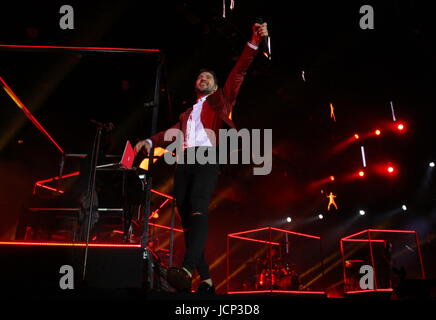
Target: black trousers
x,y
194,185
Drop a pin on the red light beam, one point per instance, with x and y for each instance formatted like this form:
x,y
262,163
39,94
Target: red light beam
x,y
28,113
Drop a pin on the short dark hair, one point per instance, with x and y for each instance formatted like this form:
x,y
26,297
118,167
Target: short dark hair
x,y
215,78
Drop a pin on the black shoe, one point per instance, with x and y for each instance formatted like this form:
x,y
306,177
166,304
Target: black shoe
x,y
179,279
204,287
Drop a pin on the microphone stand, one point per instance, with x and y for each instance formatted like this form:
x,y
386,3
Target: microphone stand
x,y
147,254
91,193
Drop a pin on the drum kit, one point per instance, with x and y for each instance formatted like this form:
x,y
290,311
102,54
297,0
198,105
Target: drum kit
x,y
277,276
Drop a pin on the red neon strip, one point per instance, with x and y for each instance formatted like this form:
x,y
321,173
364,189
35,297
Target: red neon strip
x,y
255,240
164,203
248,231
49,188
68,175
395,231
276,291
74,209
54,209
28,113
70,244
162,194
343,260
76,48
164,227
420,256
379,230
372,261
364,240
371,290
227,265
353,235
296,233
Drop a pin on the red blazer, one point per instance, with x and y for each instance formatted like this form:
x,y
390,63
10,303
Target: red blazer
x,y
217,108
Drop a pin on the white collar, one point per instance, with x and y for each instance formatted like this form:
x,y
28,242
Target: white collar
x,y
202,99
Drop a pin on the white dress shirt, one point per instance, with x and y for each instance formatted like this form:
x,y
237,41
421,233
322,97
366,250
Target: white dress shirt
x,y
195,134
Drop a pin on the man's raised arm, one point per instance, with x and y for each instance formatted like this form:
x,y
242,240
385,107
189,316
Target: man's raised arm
x,y
236,76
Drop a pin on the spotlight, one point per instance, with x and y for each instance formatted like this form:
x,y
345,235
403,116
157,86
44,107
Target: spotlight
x,y
332,178
401,127
377,132
288,219
356,136
320,216
361,173
155,215
404,207
390,169
362,212
431,164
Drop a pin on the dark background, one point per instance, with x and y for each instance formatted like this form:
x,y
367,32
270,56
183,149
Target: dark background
x,y
359,71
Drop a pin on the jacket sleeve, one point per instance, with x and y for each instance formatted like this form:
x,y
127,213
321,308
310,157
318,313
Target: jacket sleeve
x,y
236,77
158,139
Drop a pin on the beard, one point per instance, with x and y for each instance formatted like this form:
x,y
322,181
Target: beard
x,y
204,90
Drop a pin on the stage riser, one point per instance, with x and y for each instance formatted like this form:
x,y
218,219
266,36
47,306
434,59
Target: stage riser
x,y
33,267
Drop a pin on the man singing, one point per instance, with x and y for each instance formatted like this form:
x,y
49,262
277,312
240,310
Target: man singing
x,y
194,183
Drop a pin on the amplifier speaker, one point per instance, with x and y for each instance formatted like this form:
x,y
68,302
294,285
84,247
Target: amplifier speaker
x,y
38,266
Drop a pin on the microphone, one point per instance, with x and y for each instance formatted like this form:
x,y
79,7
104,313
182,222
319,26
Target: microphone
x,y
265,41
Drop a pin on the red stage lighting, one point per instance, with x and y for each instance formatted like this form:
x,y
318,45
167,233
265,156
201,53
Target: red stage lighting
x,y
387,169
377,132
361,173
356,136
332,178
401,127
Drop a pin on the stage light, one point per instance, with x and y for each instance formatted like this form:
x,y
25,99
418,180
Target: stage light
x,y
387,168
401,127
377,132
320,216
431,164
332,178
404,207
155,215
356,136
288,219
361,173
362,212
